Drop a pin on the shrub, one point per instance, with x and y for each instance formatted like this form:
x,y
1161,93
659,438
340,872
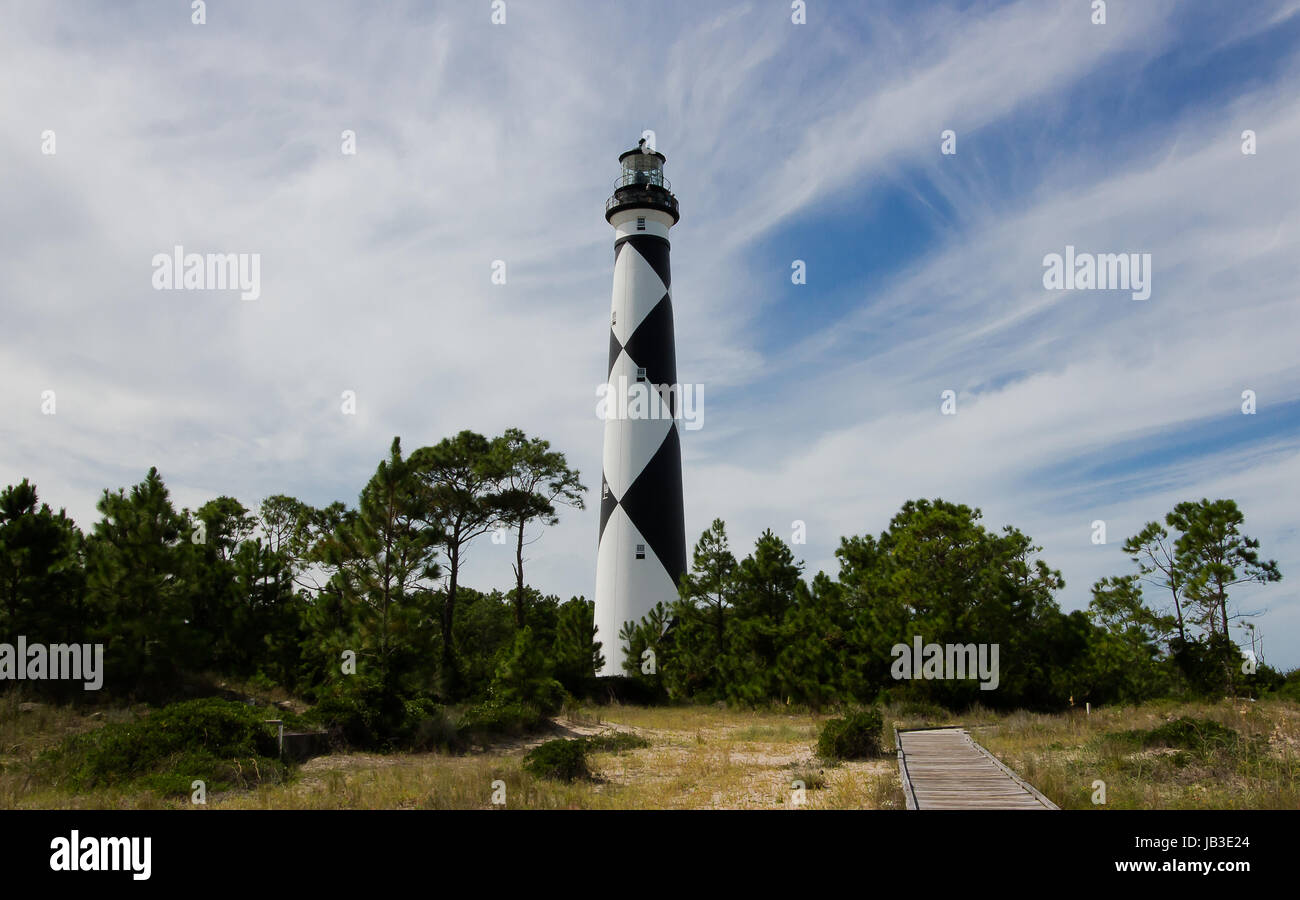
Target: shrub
x,y
560,760
428,727
1202,736
220,742
369,717
350,719
1185,733
498,718
921,709
1263,681
616,742
1290,686
856,736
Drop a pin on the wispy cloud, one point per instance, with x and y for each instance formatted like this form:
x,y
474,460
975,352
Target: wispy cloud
x,y
479,143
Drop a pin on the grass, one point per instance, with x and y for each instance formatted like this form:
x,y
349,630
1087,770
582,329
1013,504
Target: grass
x,y
1227,755
29,729
783,732
639,757
675,775
714,758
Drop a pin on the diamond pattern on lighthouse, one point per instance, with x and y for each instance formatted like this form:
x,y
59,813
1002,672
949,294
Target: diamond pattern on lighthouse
x,y
631,443
638,281
641,485
619,571
641,551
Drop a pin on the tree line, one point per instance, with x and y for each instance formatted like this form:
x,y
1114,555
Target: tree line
x,y
754,630
365,607
363,599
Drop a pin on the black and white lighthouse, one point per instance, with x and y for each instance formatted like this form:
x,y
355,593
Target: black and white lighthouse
x,y
642,546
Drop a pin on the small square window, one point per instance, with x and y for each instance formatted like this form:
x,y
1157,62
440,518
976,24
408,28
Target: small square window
x,y
604,491
640,223
640,374
640,551
613,317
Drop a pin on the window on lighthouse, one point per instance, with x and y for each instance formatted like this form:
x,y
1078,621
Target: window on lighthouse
x,y
640,551
640,223
640,374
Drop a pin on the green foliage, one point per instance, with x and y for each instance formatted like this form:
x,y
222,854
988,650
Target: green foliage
x,y
1195,558
650,634
1191,734
220,742
533,478
559,760
459,484
616,742
42,573
701,630
1263,681
754,632
485,633
576,651
1202,736
366,715
919,709
279,595
138,579
1207,665
1290,686
810,666
767,589
855,736
383,559
524,676
496,718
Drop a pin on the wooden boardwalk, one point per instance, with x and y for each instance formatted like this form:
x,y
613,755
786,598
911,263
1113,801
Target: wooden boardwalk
x,y
943,768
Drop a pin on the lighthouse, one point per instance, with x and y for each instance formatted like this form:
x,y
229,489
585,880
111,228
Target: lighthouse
x,y
642,546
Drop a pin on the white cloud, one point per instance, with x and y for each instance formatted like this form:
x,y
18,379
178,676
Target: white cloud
x,y
478,143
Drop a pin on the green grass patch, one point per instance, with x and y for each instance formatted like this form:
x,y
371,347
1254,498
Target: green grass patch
x,y
616,742
1202,736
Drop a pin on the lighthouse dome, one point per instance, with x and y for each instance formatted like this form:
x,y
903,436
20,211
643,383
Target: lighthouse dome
x,y
642,184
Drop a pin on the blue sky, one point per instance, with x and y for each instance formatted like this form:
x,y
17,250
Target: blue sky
x,y
819,142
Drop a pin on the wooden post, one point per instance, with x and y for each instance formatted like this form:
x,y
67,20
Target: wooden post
x,y
280,723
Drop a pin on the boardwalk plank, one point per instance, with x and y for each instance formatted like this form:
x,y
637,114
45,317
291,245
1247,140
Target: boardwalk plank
x,y
943,768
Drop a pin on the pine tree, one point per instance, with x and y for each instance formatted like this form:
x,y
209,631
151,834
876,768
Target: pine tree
x,y
135,581
460,483
533,479
576,651
42,569
767,585
384,559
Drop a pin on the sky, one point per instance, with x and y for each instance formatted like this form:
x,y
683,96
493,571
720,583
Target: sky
x,y
819,142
